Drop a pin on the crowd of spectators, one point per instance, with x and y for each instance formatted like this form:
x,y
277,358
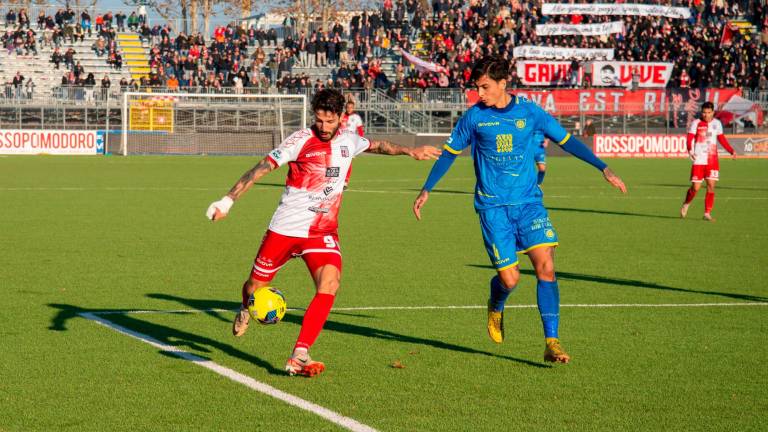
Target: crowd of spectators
x,y
451,33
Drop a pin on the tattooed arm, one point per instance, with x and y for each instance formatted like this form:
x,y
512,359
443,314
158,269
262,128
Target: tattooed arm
x,y
250,177
389,148
220,209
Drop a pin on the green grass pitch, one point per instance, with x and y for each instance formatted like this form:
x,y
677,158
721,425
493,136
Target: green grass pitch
x,y
91,234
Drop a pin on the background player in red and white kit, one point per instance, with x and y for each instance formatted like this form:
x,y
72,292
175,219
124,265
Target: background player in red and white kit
x,y
305,222
351,121
703,137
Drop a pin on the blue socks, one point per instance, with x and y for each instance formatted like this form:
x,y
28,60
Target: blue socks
x,y
499,294
540,177
548,298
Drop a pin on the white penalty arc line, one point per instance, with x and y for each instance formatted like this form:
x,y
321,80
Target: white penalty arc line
x,y
449,307
332,416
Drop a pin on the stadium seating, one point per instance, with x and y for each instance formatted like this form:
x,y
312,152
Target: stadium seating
x,y
453,33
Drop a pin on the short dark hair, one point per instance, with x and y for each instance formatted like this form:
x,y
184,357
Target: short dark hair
x,y
328,100
706,105
497,69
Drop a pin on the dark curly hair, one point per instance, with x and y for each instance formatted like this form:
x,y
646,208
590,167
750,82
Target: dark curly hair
x,y
329,100
497,68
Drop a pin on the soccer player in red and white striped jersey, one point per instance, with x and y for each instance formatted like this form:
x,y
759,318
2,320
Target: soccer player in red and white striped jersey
x,y
703,136
351,122
305,222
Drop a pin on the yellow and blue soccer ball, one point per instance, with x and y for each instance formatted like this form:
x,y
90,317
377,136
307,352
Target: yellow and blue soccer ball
x,y
267,305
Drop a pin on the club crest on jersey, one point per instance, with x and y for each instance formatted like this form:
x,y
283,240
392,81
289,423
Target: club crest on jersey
x,y
344,151
332,171
327,191
549,233
520,123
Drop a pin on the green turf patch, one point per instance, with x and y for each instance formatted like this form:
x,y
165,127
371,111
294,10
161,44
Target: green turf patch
x,y
100,234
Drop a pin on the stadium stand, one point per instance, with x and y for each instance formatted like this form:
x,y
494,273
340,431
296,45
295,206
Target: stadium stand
x,y
723,44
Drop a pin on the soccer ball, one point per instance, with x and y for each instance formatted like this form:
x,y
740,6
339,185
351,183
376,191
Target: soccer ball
x,y
267,305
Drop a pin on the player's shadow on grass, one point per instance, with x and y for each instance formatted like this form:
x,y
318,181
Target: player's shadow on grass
x,y
214,308
635,283
335,326
167,335
609,212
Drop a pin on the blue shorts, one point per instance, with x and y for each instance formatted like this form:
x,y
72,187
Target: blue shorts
x,y
508,230
540,155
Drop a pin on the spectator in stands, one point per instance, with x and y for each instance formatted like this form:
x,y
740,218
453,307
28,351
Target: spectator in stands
x,y
30,44
56,58
23,19
99,47
133,21
29,88
142,14
312,47
272,37
144,34
85,21
120,20
41,20
589,128
78,70
172,83
10,19
18,83
69,58
90,80
322,50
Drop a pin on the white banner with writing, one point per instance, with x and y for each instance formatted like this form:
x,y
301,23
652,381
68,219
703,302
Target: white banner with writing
x,y
542,52
640,145
599,29
46,141
620,9
620,74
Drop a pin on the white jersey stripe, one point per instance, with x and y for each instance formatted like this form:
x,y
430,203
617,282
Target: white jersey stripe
x,y
306,251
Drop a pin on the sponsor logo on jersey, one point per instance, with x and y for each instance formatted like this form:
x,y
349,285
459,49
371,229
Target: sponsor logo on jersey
x,y
344,151
487,124
319,210
504,143
313,154
276,154
520,123
332,171
328,189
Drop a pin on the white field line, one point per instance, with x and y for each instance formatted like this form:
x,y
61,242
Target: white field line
x,y
395,192
448,307
333,417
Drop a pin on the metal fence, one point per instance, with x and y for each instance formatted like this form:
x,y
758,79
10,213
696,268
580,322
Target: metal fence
x,y
409,111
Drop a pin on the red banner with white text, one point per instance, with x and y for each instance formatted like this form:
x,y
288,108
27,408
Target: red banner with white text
x,y
618,101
